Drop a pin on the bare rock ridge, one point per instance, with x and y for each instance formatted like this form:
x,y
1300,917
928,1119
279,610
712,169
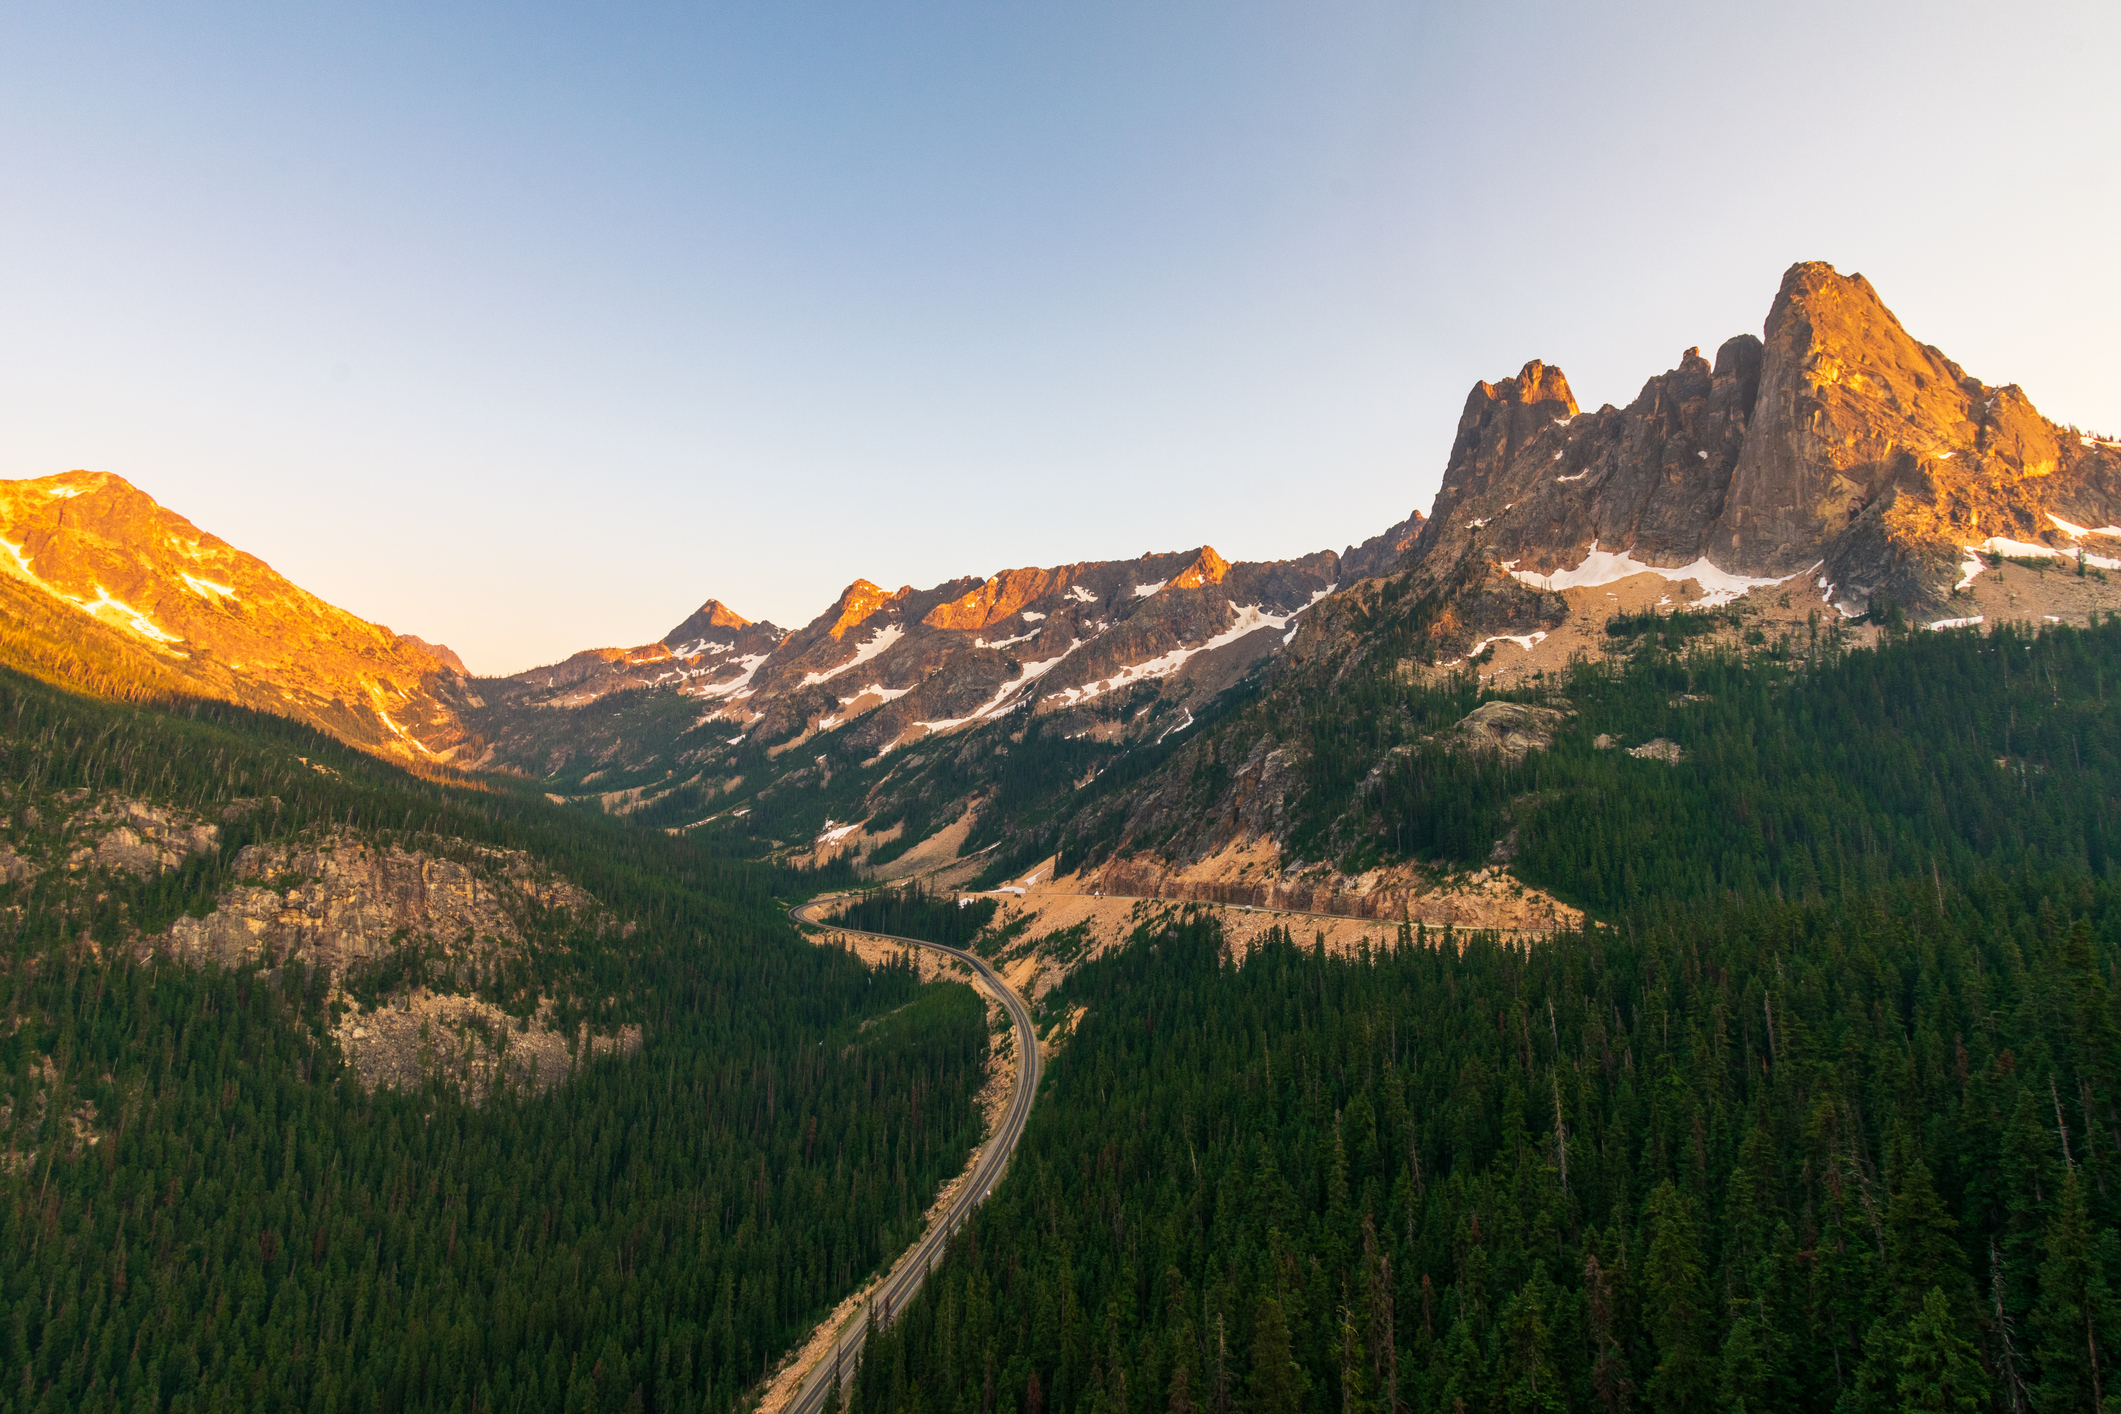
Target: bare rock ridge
x,y
1835,445
1381,554
910,663
711,654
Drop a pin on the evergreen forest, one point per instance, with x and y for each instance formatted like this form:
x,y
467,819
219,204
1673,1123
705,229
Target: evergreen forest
x,y
1822,1113
201,1208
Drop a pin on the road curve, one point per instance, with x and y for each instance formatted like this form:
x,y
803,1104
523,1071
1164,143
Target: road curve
x,y
906,1275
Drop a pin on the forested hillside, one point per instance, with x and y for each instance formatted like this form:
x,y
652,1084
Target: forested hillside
x,y
204,1210
1802,768
1822,1114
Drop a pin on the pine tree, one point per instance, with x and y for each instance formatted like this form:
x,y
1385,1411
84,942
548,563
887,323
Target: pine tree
x,y
1676,1306
1751,1373
1921,1249
1530,1380
1274,1385
1939,1371
2075,1320
1611,1381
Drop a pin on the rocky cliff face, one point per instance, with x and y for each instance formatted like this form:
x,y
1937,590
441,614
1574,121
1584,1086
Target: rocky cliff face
x,y
342,905
1835,446
1381,554
107,590
341,901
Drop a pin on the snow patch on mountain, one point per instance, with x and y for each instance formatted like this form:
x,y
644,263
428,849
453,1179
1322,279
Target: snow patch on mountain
x,y
1007,695
882,639
1609,566
1973,564
206,588
881,693
699,647
1526,641
739,686
104,605
1251,618
2078,532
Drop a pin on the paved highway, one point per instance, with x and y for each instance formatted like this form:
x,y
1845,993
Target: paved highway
x,y
896,1289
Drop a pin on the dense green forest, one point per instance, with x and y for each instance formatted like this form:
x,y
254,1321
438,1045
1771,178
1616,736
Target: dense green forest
x,y
201,1209
1764,1156
1803,772
1824,1115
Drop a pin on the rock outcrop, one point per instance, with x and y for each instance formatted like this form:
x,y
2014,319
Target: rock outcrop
x,y
342,902
1508,730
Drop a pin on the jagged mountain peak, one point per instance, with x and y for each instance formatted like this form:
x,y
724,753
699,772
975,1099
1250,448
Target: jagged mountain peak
x,y
1207,568
1535,383
713,614
999,597
1834,443
857,603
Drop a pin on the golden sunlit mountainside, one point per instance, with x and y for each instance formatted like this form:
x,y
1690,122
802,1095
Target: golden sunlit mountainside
x,y
105,590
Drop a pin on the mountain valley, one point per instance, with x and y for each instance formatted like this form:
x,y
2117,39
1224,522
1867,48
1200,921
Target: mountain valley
x,y
1643,931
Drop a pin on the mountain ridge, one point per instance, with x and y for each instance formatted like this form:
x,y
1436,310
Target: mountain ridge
x,y
1832,458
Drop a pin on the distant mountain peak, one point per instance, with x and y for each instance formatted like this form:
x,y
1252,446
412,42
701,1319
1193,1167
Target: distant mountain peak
x,y
857,603
445,656
1207,568
702,623
1835,443
720,615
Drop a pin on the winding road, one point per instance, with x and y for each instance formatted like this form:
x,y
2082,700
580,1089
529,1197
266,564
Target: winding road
x,y
906,1275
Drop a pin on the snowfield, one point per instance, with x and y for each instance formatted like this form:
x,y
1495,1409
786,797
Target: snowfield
x,y
882,639
1608,566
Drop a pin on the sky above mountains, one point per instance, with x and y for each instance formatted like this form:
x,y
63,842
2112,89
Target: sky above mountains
x,y
527,328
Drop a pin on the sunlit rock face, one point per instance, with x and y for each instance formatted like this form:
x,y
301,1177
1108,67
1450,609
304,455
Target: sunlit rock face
x,y
1834,446
107,590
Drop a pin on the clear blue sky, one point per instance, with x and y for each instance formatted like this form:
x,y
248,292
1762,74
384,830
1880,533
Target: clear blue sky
x,y
526,328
